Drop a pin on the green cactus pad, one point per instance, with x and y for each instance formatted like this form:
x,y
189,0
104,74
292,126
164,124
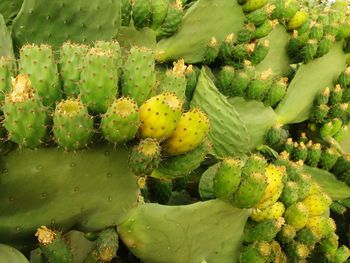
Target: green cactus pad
x,y
6,72
10,254
6,48
141,232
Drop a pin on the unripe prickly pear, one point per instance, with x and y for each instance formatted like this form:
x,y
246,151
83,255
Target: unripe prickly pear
x,y
260,52
299,151
6,72
126,12
172,20
145,157
323,96
265,230
316,31
259,87
250,191
272,212
53,246
212,51
243,51
342,254
339,111
330,244
344,78
313,154
254,164
276,92
336,95
317,203
141,13
240,83
297,215
297,251
259,16
191,74
290,8
190,131
286,235
72,126
257,252
275,135
159,9
226,48
320,113
114,48
38,63
308,236
139,75
225,78
264,29
297,20
227,179
159,116
71,64
121,121
25,116
325,45
252,5
290,194
342,164
328,158
310,50
246,33
99,82
322,225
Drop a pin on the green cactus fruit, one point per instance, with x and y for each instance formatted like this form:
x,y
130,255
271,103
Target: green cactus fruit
x,y
344,78
313,154
336,95
260,52
297,20
246,33
106,246
184,164
325,45
308,236
190,131
300,151
145,157
259,87
326,130
277,254
71,64
225,78
290,194
159,116
328,159
272,212
338,208
297,251
73,126
323,226
316,31
329,244
339,111
261,15
342,164
265,230
290,8
341,134
250,191
305,185
227,178
191,81
297,43
114,48
6,72
345,177
254,164
159,9
99,82
323,96
240,83
243,51
331,29
257,252
212,51
173,20
126,12
175,80
252,5
121,121
264,29
163,190
346,95
276,93
139,77
320,113
337,124
26,118
297,215
53,246
287,234
274,135
38,63
310,50
226,48
342,254
317,203
141,13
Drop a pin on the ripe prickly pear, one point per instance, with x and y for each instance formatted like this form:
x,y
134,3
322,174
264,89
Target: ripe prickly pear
x,y
121,121
317,203
72,126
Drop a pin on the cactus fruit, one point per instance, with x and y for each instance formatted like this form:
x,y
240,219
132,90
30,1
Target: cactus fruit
x,y
297,20
114,48
251,5
287,234
308,236
227,179
159,116
254,164
260,52
138,79
141,13
121,121
257,252
25,116
106,246
71,63
225,78
272,212
323,226
172,20
145,157
328,158
240,83
99,83
297,251
342,254
159,10
258,88
192,78
190,131
297,215
73,126
212,51
265,230
53,246
317,204
276,92
38,63
290,194
313,154
126,12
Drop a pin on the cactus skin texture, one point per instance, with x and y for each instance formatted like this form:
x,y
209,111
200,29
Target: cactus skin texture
x,y
265,230
53,246
159,12
73,126
173,20
38,63
6,72
71,64
145,157
227,179
141,13
323,226
297,215
25,116
190,131
99,82
159,116
317,204
258,252
10,254
139,77
121,121
272,212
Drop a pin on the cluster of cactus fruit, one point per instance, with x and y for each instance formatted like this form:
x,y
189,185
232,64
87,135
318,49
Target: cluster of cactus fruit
x,y
163,120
